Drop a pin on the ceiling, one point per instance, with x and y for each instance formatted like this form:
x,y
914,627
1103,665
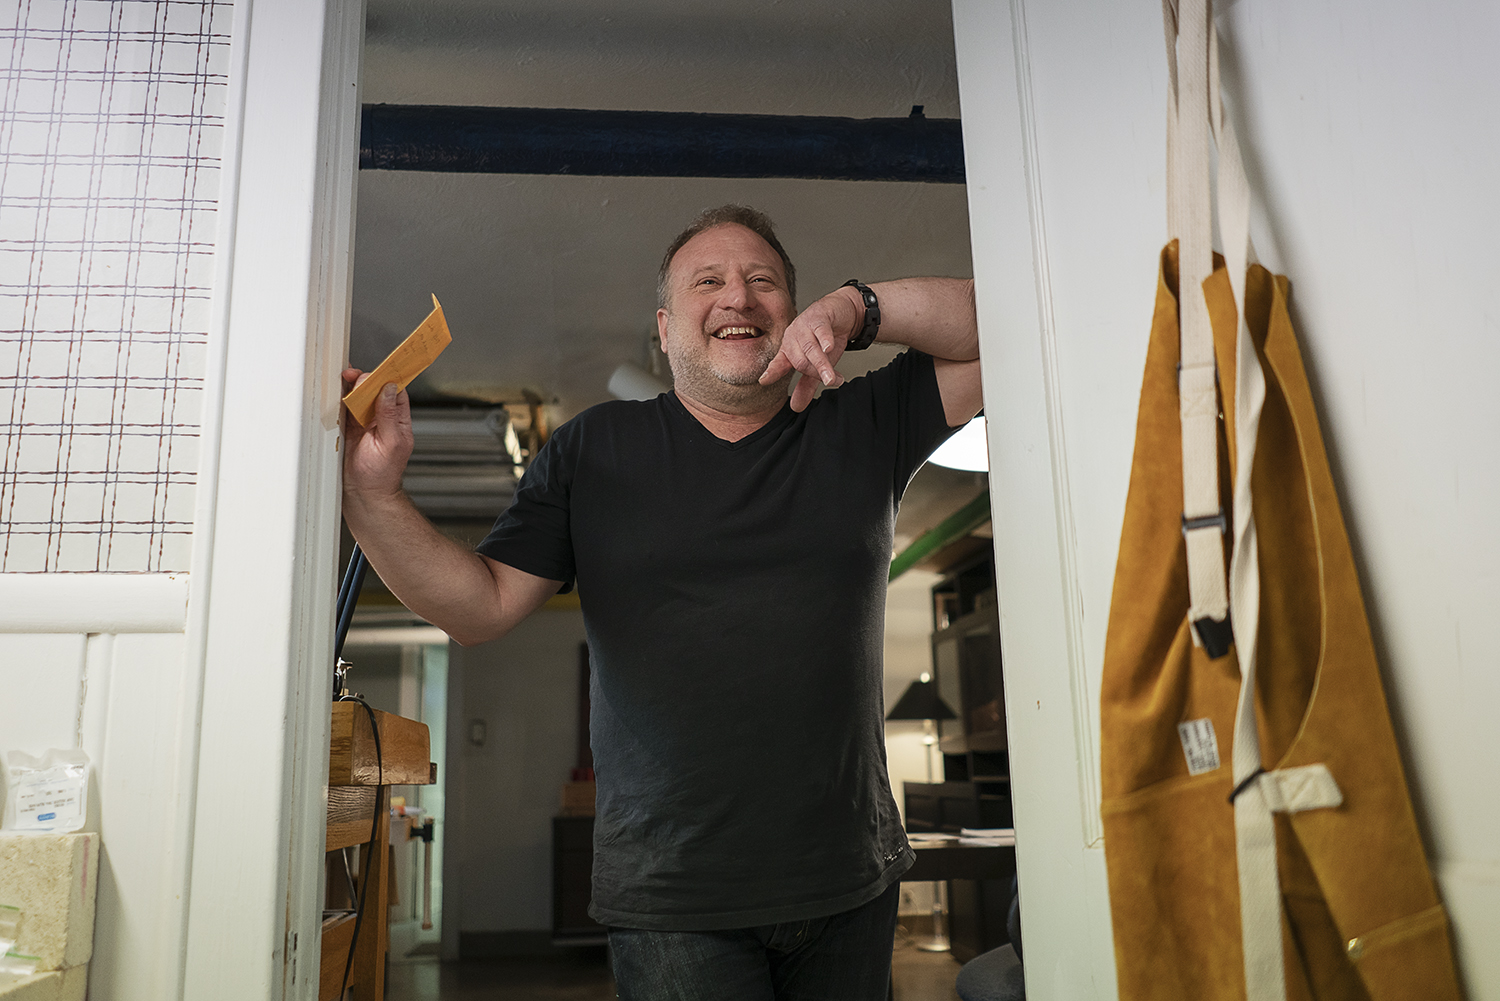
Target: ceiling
x,y
548,282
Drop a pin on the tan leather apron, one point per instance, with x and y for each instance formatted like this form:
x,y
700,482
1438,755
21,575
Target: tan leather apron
x,y
1261,846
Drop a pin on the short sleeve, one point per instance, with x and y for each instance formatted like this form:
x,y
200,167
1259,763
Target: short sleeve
x,y
908,401
535,534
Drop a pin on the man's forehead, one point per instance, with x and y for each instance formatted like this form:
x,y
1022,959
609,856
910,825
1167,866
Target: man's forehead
x,y
729,246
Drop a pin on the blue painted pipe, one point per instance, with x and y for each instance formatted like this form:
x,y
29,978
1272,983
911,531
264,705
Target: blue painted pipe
x,y
659,144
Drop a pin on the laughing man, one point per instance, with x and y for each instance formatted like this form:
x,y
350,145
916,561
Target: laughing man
x,y
730,545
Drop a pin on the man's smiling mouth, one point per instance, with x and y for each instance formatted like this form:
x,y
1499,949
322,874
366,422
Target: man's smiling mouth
x,y
737,333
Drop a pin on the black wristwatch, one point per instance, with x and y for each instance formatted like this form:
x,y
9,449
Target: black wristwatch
x,y
866,335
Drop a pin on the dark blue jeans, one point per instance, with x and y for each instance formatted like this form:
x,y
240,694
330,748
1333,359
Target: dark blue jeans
x,y
844,957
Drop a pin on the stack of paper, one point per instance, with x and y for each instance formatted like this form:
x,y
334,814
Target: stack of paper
x,y
988,836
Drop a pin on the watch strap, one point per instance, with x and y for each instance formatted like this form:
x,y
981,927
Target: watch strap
x,y
871,327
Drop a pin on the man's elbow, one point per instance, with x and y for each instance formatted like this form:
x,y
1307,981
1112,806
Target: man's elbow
x,y
478,627
468,635
464,639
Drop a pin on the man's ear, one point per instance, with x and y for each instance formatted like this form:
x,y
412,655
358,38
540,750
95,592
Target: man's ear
x,y
661,330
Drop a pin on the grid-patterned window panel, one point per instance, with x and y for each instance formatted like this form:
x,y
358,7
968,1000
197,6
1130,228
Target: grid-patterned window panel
x,y
111,117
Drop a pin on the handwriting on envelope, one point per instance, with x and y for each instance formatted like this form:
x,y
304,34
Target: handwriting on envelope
x,y
401,366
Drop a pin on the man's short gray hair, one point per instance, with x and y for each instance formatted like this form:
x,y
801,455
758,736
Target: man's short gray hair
x,y
754,220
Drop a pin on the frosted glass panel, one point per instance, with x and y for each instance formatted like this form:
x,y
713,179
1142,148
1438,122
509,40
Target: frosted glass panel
x,y
111,115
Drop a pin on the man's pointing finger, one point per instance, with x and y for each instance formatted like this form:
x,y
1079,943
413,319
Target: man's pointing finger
x,y
778,369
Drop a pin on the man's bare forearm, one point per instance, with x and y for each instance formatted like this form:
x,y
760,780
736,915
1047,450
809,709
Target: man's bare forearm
x,y
448,585
470,597
933,315
936,316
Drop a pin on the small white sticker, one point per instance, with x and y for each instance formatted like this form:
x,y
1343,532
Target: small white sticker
x,y
1199,745
48,803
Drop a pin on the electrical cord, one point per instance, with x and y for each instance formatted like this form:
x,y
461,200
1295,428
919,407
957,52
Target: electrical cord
x,y
344,583
348,876
354,579
369,866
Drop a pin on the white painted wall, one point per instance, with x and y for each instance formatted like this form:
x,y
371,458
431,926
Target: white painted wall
x,y
1368,150
196,680
501,797
118,698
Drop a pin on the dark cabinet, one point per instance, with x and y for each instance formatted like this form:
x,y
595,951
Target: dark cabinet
x,y
975,791
949,806
572,882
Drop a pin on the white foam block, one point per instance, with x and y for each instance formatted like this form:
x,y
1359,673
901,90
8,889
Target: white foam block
x,y
57,985
52,879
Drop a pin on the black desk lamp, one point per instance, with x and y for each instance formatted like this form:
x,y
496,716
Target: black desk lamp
x,y
922,701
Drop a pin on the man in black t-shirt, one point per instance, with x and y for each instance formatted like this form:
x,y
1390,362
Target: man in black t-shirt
x,y
730,548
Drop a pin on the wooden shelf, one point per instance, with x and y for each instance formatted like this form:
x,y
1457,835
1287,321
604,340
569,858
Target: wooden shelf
x,y
405,751
337,931
350,813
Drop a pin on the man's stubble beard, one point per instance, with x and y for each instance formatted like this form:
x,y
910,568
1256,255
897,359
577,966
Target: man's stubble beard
x,y
726,390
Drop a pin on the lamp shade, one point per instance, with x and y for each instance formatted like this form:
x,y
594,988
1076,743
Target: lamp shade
x,y
968,449
921,701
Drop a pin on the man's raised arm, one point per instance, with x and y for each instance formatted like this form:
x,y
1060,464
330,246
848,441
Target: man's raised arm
x,y
470,597
933,315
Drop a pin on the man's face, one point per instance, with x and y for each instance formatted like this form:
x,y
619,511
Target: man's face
x,y
727,309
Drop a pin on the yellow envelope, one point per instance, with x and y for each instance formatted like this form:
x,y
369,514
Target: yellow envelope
x,y
401,366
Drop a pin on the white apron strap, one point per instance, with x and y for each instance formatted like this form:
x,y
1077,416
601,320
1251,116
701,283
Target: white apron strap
x,y
1257,793
1190,222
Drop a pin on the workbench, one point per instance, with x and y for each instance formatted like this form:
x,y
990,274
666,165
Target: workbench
x,y
358,785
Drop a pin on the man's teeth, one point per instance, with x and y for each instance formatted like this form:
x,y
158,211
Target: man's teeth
x,y
728,332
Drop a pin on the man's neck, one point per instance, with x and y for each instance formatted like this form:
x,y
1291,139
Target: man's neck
x,y
730,425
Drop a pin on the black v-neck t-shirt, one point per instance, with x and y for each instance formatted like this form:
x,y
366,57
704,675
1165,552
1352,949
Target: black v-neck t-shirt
x,y
733,595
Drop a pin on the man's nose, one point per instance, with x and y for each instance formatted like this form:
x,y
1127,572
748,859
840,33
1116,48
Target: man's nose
x,y
737,294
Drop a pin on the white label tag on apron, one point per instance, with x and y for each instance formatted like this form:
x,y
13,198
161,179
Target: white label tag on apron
x,y
1199,745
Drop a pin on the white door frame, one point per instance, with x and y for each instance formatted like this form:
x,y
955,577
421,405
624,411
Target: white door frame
x,y
260,621
1051,706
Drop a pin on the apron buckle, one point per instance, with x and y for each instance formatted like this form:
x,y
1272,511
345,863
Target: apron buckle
x,y
1216,635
